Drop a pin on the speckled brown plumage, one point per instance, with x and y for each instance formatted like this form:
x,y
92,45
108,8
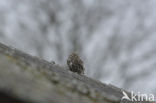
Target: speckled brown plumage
x,y
75,64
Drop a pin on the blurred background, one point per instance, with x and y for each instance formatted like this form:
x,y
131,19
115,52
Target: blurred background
x,y
115,38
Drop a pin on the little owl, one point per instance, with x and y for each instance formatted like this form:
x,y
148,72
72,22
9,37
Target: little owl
x,y
75,64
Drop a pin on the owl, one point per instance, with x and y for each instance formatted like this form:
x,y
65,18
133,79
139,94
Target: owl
x,y
75,64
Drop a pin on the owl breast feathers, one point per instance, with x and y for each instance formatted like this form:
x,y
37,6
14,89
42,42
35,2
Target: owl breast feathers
x,y
75,64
